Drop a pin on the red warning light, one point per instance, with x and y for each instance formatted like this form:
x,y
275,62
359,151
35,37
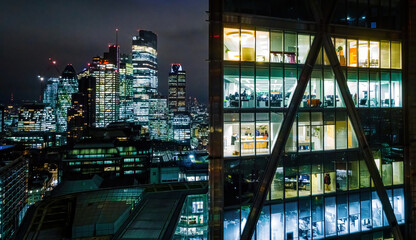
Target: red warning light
x,y
53,62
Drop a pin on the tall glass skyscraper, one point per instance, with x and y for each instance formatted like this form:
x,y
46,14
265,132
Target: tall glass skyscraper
x,y
260,55
145,82
126,89
50,93
68,84
177,89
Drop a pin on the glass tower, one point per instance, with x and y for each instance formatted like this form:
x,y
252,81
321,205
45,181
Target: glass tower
x,y
177,89
68,84
145,82
126,88
323,188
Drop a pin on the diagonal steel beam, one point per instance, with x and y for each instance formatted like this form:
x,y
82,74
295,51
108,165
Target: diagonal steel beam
x,y
281,140
359,132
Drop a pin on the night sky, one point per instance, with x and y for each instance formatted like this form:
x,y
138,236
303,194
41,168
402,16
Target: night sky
x,y
74,31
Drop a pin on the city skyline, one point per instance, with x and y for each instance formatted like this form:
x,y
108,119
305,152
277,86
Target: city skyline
x,y
44,30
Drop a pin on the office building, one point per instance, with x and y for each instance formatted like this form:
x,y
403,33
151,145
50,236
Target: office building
x,y
177,89
145,82
181,129
126,89
36,117
81,115
158,119
13,190
68,84
1,118
50,92
265,58
107,87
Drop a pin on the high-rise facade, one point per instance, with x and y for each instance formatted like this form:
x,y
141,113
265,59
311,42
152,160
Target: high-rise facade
x,y
159,119
145,81
107,87
50,92
261,56
126,89
68,84
177,89
36,117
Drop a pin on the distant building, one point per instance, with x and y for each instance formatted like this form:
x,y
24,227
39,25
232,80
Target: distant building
x,y
50,92
181,126
108,159
107,87
13,191
177,89
1,118
158,119
145,82
67,85
36,117
81,115
126,89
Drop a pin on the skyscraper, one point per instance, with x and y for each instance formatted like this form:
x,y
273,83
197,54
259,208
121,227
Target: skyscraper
x,y
289,90
81,115
107,87
50,93
145,82
36,117
68,84
159,119
126,89
177,89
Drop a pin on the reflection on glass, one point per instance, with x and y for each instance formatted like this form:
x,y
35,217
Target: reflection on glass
x,y
276,87
377,210
342,215
317,217
330,217
231,44
317,131
398,173
262,46
399,205
290,47
262,87
247,87
352,53
303,46
291,215
363,53
316,85
232,224
276,186
304,138
366,219
317,179
277,222
341,130
396,94
276,51
363,89
386,172
231,87
385,54
352,138
304,183
263,225
329,89
341,171
396,58
374,90
304,219
291,183
340,50
354,213
353,85
277,119
247,45
353,174
364,175
245,210
329,130
385,89
262,133
290,84
231,134
330,176
374,54
291,141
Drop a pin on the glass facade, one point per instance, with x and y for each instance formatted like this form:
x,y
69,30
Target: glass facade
x,y
67,85
323,189
145,82
177,89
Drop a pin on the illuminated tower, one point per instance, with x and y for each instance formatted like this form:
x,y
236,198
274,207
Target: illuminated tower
x,y
145,82
177,89
67,85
